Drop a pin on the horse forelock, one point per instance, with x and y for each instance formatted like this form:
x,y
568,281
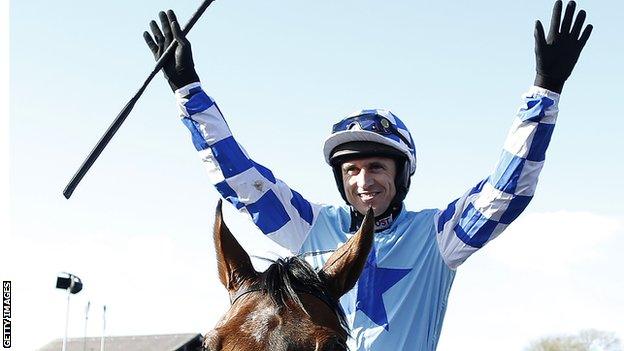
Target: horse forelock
x,y
286,277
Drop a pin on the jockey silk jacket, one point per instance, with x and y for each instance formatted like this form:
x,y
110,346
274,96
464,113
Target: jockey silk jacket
x,y
400,299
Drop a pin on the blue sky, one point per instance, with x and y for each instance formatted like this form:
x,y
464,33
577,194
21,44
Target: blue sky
x,y
138,228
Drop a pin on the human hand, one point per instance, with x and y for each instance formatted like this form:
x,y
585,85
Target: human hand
x,y
557,54
180,69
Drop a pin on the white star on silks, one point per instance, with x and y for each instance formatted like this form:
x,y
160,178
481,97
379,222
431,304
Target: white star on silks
x,y
373,282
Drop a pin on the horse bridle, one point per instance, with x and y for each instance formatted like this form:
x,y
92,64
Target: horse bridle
x,y
327,300
242,292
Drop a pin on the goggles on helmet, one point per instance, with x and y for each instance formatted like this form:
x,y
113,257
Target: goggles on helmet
x,y
371,122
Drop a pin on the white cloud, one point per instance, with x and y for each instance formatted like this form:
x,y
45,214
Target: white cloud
x,y
556,241
551,273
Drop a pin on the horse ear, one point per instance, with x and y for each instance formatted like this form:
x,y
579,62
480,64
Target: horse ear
x,y
345,265
233,263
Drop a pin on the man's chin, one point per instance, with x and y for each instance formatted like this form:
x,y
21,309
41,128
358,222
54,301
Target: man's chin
x,y
363,208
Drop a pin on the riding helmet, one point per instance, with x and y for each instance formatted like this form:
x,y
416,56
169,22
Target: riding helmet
x,y
372,133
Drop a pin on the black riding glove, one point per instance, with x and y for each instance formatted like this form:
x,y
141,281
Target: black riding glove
x,y
180,69
557,54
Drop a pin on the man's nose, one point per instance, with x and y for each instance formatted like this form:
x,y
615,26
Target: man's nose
x,y
364,179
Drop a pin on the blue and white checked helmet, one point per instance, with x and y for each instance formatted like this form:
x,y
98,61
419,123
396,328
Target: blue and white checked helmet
x,y
375,126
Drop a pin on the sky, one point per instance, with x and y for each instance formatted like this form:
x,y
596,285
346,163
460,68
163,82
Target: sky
x,y
138,229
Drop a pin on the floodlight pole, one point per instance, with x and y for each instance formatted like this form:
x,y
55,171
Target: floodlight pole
x,y
73,285
84,343
103,329
66,320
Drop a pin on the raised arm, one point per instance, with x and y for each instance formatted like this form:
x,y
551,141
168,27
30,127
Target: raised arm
x,y
484,211
556,55
278,211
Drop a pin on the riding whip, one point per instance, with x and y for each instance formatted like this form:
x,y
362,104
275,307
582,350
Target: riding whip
x,y
121,117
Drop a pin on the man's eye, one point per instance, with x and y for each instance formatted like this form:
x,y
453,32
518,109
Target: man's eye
x,y
351,170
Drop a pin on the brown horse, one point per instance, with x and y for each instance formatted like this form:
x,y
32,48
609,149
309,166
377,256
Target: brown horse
x,y
290,306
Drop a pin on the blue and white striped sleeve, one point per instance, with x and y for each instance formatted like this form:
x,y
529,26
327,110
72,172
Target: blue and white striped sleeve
x,y
483,212
278,211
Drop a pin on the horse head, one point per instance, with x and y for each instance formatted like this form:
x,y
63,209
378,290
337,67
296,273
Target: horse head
x,y
290,306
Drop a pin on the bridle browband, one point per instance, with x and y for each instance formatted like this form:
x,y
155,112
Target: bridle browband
x,y
327,300
241,293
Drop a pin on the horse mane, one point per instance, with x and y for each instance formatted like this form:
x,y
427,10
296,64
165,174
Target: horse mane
x,y
285,277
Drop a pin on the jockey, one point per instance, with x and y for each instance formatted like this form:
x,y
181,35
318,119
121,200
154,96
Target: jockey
x,y
400,299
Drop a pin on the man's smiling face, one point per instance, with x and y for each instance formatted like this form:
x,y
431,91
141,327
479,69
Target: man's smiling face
x,y
369,182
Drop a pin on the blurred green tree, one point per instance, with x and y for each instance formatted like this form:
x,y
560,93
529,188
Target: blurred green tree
x,y
585,340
